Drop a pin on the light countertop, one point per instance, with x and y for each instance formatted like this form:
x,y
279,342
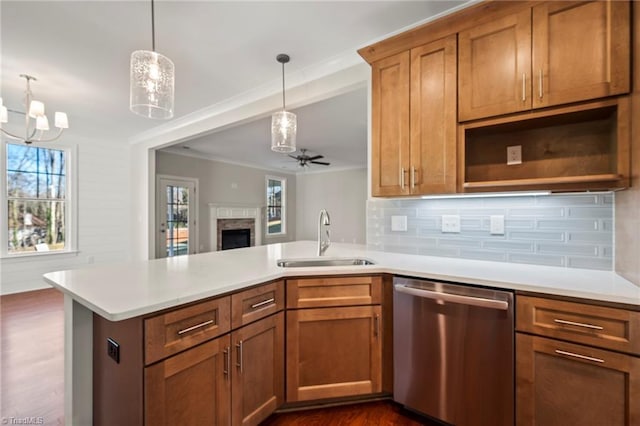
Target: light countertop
x,y
127,290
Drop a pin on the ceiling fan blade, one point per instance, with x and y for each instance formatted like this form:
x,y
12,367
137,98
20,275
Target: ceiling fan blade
x,y
320,162
315,157
294,157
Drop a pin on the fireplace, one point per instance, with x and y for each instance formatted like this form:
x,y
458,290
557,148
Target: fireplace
x,y
235,238
235,226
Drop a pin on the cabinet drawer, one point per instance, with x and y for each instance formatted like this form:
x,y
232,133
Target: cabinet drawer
x,y
610,328
256,303
342,291
183,328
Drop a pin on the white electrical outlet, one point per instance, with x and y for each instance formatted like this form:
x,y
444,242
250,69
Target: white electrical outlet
x,y
451,223
496,225
398,223
514,155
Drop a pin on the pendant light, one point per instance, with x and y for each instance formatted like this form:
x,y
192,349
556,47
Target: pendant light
x,y
152,80
283,124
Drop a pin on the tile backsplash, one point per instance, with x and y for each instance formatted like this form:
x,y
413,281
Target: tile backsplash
x,y
571,230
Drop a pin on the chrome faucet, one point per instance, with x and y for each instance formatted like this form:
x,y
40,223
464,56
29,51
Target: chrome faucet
x,y
323,244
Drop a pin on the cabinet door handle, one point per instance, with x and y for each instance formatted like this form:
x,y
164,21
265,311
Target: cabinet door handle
x,y
524,87
239,357
227,361
195,327
401,177
578,324
413,177
540,93
264,302
376,325
586,358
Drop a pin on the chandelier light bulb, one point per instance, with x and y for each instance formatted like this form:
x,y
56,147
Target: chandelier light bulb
x,y
61,121
36,109
42,123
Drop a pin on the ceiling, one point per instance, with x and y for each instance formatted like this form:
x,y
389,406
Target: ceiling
x,y
80,50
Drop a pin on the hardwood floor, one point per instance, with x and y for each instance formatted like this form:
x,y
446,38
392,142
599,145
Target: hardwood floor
x,y
32,358
379,413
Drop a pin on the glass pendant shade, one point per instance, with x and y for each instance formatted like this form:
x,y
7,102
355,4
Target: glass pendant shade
x,y
283,131
152,82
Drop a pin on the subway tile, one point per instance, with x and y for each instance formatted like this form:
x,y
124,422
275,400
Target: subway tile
x,y
590,263
440,251
567,249
568,224
537,212
409,212
536,259
608,198
483,255
505,202
534,235
590,212
393,248
483,212
606,251
508,245
450,242
470,223
422,212
607,225
568,200
591,237
519,223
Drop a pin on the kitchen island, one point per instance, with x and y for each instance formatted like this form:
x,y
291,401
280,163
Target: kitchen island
x,y
125,291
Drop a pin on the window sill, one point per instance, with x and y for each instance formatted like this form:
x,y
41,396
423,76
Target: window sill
x,y
40,255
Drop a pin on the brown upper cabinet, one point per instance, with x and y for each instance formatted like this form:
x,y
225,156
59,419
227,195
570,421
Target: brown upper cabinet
x,y
414,122
553,53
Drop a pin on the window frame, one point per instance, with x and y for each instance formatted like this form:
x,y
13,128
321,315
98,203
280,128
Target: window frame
x,y
71,205
283,206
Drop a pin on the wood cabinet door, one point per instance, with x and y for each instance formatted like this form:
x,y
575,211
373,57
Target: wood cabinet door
x,y
580,51
559,384
390,126
190,388
495,67
258,371
433,118
333,352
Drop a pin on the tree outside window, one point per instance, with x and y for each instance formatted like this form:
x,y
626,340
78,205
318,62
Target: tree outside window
x,y
36,199
276,206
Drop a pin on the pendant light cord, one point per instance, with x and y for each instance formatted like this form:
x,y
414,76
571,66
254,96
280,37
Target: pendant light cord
x,y
283,104
153,29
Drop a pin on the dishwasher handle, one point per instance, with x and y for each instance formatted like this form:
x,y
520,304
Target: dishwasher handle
x,y
454,298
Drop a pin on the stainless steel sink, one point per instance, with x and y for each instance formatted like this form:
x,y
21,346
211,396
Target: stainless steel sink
x,y
343,261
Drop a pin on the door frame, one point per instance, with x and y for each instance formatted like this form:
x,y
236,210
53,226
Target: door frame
x,y
159,211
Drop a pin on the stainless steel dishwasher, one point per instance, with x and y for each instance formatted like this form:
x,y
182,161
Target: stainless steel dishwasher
x,y
453,349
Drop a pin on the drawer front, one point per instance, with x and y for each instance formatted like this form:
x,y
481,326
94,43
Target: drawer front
x,y
183,328
251,305
341,291
610,328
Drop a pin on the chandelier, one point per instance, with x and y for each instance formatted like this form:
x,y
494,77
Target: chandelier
x,y
34,111
283,124
151,81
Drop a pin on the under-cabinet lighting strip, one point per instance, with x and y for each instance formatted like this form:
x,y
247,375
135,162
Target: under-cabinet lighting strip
x,y
510,194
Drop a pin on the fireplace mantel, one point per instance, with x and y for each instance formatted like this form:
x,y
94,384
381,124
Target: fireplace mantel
x,y
233,211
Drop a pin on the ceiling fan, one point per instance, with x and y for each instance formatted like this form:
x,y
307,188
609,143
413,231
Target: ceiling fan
x,y
305,160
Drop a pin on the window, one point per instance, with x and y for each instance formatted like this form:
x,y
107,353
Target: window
x,y
37,199
276,190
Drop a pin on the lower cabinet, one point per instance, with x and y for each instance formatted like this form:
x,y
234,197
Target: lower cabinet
x,y
235,379
191,388
333,352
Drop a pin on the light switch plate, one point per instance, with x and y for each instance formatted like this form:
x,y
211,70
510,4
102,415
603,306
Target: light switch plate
x,y
514,155
398,223
451,223
496,225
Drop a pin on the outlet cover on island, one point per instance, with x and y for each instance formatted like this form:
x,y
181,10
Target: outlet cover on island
x,y
451,223
398,223
496,225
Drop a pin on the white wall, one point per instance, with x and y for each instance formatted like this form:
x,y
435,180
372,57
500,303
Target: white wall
x,y
227,183
104,218
343,194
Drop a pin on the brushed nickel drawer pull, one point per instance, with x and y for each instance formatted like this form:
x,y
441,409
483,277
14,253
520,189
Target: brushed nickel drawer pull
x,y
202,324
587,358
264,302
579,324
227,361
239,357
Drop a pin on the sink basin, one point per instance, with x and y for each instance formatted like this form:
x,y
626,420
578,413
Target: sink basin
x,y
343,261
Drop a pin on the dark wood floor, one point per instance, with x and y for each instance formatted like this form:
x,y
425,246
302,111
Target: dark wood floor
x,y
380,413
32,357
32,372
